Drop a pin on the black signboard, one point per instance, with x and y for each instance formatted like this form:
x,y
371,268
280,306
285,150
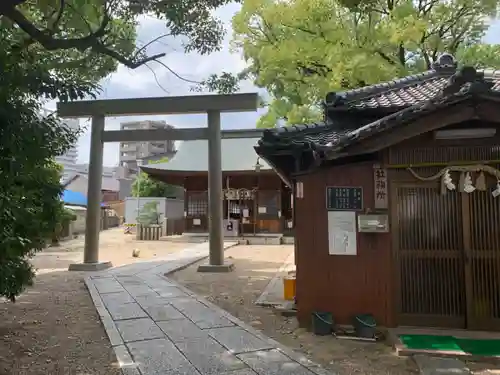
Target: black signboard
x,y
344,198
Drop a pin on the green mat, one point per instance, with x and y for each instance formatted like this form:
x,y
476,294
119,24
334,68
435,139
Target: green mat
x,y
486,348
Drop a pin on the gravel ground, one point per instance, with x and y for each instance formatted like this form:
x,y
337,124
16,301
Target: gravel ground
x,y
53,328
236,292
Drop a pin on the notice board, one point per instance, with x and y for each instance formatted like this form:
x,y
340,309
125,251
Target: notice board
x,y
344,198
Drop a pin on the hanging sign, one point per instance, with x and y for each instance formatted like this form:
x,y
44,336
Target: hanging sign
x,y
343,198
380,188
238,194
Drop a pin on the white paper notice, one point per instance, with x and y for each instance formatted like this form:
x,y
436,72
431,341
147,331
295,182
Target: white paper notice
x,y
342,232
262,209
196,221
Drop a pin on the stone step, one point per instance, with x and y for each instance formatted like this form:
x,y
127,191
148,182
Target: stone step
x,y
429,365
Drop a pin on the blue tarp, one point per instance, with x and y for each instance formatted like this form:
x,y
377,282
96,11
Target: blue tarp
x,y
75,198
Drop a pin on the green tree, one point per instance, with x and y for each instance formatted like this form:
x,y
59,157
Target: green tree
x,y
98,34
30,188
144,186
299,50
149,214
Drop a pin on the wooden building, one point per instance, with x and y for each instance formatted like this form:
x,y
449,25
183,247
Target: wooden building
x,y
397,200
256,201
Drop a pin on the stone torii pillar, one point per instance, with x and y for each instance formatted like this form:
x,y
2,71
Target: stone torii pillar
x,y
216,257
93,218
212,105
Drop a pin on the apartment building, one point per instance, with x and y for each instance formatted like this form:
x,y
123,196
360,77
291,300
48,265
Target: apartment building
x,y
130,152
68,160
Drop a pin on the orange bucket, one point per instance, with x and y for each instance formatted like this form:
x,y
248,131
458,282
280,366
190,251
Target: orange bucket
x,y
289,288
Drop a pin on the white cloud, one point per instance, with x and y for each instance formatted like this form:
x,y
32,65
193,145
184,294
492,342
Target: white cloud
x,y
493,34
156,80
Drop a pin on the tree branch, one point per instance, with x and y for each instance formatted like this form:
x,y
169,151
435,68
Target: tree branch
x,y
385,57
90,41
151,42
53,26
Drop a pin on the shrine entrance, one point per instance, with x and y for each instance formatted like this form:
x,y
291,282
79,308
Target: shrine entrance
x,y
447,246
239,209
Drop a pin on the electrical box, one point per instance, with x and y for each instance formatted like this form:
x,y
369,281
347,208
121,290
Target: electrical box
x,y
372,223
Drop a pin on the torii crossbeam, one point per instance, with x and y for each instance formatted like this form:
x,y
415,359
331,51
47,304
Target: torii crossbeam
x,y
212,105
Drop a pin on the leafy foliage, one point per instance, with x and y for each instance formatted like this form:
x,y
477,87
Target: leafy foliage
x,y
144,186
65,217
300,49
149,214
97,34
30,189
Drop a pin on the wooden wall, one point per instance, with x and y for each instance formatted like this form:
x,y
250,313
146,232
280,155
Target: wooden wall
x,y
109,196
342,284
263,180
366,283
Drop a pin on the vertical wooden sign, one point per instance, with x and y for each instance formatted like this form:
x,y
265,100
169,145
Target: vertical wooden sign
x,y
380,188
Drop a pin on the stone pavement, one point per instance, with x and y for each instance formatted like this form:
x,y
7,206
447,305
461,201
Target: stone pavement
x,y
158,327
440,365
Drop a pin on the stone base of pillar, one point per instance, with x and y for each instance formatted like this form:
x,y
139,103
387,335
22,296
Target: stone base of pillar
x,y
99,266
226,267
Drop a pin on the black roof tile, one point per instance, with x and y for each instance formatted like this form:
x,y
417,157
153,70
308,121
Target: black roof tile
x,y
316,134
403,92
413,95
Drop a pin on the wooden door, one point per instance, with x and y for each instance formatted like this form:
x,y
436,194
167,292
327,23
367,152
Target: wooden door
x,y
428,241
482,259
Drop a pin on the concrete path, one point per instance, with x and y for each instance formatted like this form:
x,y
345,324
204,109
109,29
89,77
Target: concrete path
x,y
158,327
273,293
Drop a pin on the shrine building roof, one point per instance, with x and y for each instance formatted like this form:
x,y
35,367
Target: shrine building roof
x,y
238,155
353,115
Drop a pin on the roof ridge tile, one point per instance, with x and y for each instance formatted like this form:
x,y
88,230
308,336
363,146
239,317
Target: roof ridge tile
x,y
370,91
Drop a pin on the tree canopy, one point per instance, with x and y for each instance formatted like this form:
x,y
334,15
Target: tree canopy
x,y
144,186
299,50
30,188
92,36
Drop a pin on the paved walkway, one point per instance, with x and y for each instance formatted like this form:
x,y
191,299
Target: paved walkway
x,y
158,327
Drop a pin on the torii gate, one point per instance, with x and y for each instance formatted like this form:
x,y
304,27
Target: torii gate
x,y
212,105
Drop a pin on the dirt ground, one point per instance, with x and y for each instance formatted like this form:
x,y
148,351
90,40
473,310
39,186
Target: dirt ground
x,y
237,291
53,328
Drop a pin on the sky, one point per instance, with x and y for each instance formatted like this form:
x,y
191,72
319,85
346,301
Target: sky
x,y
154,80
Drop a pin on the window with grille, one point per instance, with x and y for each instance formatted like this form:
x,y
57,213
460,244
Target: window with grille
x,y
270,200
197,204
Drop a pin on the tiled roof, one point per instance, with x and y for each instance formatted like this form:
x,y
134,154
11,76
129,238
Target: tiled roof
x,y
403,92
318,133
452,88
